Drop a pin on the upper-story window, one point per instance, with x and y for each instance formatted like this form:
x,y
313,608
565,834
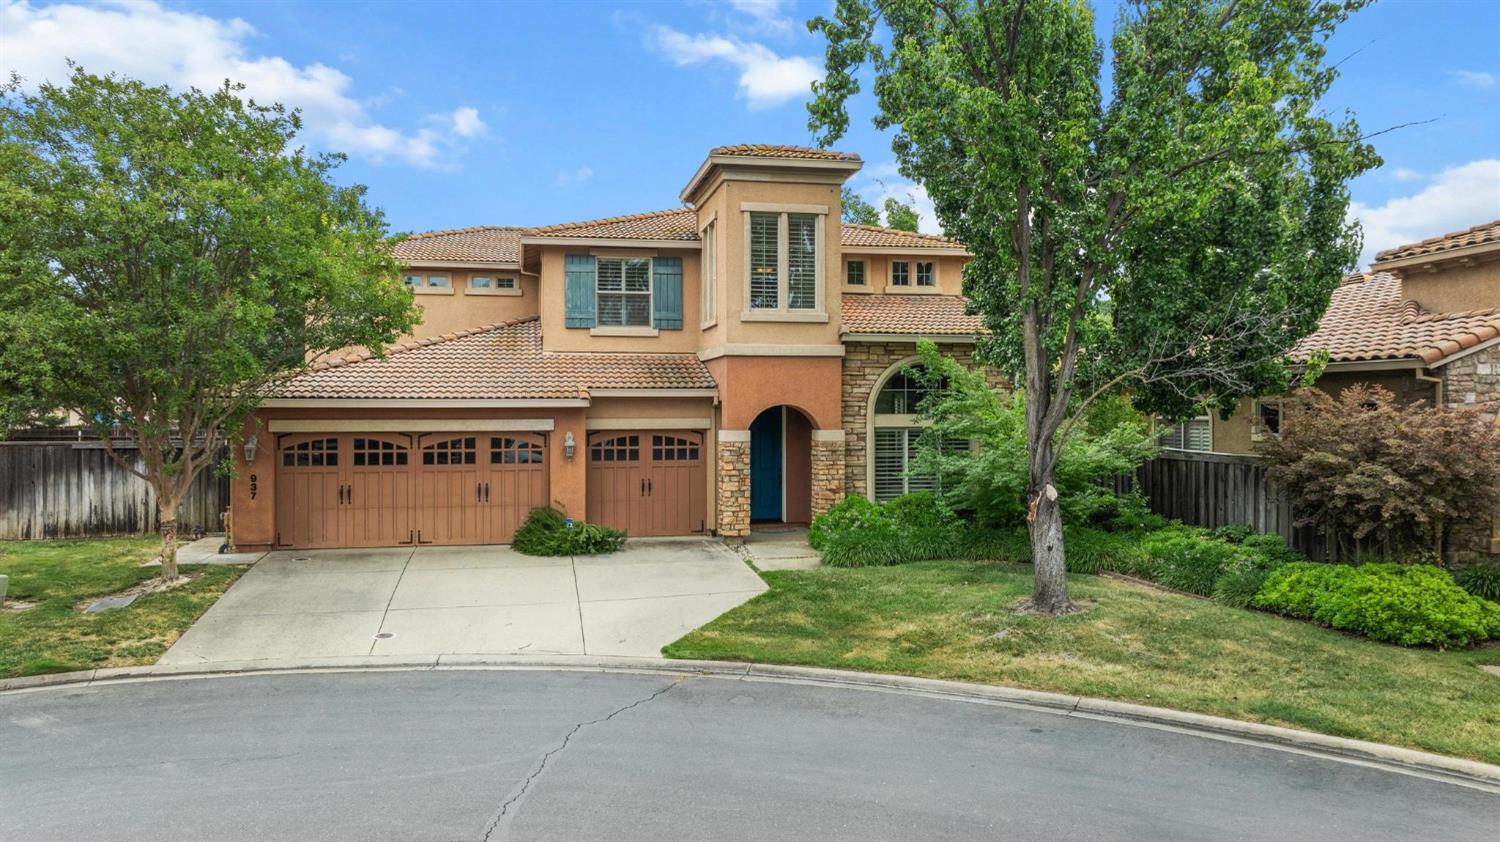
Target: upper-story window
x,y
854,273
926,275
784,269
481,282
900,273
624,291
492,284
710,273
421,282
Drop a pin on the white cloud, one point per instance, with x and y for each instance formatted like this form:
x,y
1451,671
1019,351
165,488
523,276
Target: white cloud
x,y
1457,198
578,176
766,79
764,13
1404,174
1474,78
878,189
146,41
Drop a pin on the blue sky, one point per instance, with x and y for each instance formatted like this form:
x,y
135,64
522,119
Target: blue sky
x,y
460,114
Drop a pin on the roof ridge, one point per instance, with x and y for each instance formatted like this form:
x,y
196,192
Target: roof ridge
x,y
629,217
423,342
885,228
1431,241
469,230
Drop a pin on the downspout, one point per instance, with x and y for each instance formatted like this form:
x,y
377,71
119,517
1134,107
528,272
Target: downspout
x,y
1437,401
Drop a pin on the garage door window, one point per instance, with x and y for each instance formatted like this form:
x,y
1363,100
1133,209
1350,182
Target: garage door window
x,y
509,451
318,453
376,452
450,452
617,449
673,449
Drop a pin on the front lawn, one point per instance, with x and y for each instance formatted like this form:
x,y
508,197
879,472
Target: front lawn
x,y
951,620
55,636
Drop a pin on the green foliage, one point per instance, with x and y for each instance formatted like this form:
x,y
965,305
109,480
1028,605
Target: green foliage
x,y
1234,533
1189,561
1481,580
1095,551
878,545
1368,470
855,210
976,543
928,528
545,532
991,480
1239,583
900,217
851,514
170,257
1412,605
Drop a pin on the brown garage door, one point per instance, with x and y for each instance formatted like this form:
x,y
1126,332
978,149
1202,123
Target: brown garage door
x,y
388,489
648,482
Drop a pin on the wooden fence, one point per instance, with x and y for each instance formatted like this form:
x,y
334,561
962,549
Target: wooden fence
x,y
1219,489
55,489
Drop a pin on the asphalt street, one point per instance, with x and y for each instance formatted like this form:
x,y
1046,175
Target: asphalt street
x,y
473,755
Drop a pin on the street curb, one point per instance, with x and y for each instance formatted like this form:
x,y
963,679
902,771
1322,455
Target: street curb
x,y
1394,758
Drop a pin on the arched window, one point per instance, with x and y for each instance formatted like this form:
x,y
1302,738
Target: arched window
x,y
893,442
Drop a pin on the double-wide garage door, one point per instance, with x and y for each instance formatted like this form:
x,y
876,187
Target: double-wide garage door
x,y
387,489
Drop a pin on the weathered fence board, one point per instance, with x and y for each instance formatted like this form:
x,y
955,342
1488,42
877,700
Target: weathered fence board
x,y
1219,489
55,489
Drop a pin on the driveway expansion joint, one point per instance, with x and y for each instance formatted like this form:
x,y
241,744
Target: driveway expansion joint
x,y
504,812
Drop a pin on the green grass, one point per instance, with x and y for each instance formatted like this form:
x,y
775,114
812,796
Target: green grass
x,y
56,637
951,620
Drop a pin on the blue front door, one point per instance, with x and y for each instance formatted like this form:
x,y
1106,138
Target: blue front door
x,y
765,466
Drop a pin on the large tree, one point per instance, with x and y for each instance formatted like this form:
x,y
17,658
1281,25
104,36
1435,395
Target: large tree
x,y
900,217
169,258
854,209
1170,227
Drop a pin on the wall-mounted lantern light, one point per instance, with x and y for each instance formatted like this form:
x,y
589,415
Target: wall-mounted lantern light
x,y
251,445
569,445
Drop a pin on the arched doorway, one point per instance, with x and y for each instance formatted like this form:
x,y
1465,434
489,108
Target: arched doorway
x,y
781,467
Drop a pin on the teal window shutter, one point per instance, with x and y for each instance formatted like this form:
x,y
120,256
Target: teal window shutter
x,y
666,292
578,294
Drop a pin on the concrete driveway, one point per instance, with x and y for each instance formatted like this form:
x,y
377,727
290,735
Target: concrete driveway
x,y
468,600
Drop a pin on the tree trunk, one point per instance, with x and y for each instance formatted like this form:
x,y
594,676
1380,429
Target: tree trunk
x,y
169,544
1049,594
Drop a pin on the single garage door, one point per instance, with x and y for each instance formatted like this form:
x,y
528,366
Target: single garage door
x,y
388,489
648,482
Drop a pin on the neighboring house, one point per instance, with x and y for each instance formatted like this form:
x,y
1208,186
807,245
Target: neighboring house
x,y
1424,322
683,371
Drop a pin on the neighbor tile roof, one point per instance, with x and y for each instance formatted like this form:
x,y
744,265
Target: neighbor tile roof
x,y
498,361
486,244
873,236
1367,319
772,150
671,224
1489,232
918,315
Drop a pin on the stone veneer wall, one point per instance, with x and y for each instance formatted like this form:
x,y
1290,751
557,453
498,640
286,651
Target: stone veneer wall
x,y
1474,381
864,363
828,479
733,488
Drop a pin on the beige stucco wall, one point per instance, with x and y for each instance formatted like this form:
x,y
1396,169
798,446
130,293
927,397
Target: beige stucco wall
x,y
878,273
1233,435
557,336
1454,289
459,307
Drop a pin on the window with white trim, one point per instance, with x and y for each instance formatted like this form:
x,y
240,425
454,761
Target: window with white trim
x,y
926,274
437,281
900,273
897,431
1193,434
481,282
854,273
623,289
1265,424
784,266
710,274
412,280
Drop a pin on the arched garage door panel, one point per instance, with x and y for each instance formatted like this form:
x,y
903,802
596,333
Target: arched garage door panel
x,y
648,482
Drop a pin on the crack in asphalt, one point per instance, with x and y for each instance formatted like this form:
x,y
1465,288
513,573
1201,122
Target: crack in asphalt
x,y
541,766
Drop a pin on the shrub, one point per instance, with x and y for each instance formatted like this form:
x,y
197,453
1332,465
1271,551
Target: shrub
x,y
928,528
876,544
1366,469
1094,551
1271,550
1239,583
1188,560
979,544
1413,605
545,532
1481,580
851,514
1234,533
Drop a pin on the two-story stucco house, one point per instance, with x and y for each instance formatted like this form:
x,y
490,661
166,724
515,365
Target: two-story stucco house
x,y
732,361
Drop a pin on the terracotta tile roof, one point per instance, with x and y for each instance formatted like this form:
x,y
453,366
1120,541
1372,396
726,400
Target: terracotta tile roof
x,y
873,236
1368,319
498,361
485,244
1489,232
772,150
918,315
672,224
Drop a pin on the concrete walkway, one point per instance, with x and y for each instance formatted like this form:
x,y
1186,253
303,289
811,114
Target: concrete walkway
x,y
468,600
781,550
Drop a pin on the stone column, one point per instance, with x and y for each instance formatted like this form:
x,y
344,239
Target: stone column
x,y
732,485
827,469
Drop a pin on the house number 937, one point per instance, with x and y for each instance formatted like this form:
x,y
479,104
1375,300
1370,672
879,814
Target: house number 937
x,y
254,485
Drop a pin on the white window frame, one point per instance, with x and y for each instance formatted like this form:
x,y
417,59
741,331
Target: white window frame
x,y
783,312
931,271
864,273
709,274
499,284
1258,431
650,295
